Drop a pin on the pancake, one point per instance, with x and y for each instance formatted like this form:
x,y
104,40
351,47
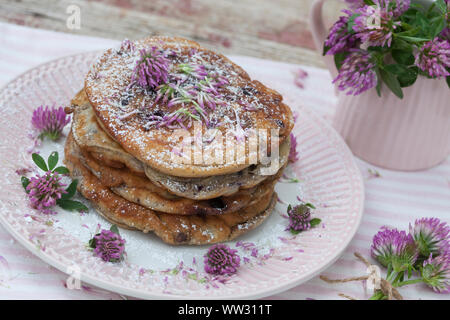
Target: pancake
x,y
215,186
140,190
91,137
172,229
124,110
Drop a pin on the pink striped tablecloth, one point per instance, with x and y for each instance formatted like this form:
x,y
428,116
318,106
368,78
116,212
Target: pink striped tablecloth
x,y
394,198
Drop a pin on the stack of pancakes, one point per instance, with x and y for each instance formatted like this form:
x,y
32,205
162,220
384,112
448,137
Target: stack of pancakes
x,y
124,162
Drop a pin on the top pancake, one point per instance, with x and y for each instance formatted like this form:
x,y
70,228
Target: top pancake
x,y
123,111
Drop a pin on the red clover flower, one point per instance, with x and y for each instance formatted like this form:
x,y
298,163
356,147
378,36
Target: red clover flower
x,y
436,273
375,24
49,122
431,235
152,69
434,58
357,73
221,260
395,248
339,39
108,245
300,218
43,191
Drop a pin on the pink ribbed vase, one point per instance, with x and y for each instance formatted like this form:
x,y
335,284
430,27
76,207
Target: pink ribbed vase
x,y
412,133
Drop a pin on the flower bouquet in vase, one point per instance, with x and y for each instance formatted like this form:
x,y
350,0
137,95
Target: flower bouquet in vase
x,y
390,61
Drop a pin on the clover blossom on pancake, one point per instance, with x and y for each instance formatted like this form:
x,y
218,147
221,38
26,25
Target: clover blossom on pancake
x,y
436,273
49,122
152,68
188,90
206,92
433,58
211,85
432,236
196,70
189,100
221,260
394,248
44,190
357,73
108,245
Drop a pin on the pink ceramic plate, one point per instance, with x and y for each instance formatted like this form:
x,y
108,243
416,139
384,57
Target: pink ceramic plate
x,y
327,175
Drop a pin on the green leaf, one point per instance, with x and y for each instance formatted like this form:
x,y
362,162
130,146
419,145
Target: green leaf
x,y
52,160
409,271
410,14
114,229
392,83
413,39
448,81
405,76
310,205
339,59
409,77
289,208
62,170
295,232
375,49
434,14
314,222
71,205
399,44
378,86
71,189
39,161
403,57
325,49
421,22
442,6
416,5
438,26
396,69
25,182
92,243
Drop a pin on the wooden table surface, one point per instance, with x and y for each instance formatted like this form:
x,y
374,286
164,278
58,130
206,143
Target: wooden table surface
x,y
269,29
